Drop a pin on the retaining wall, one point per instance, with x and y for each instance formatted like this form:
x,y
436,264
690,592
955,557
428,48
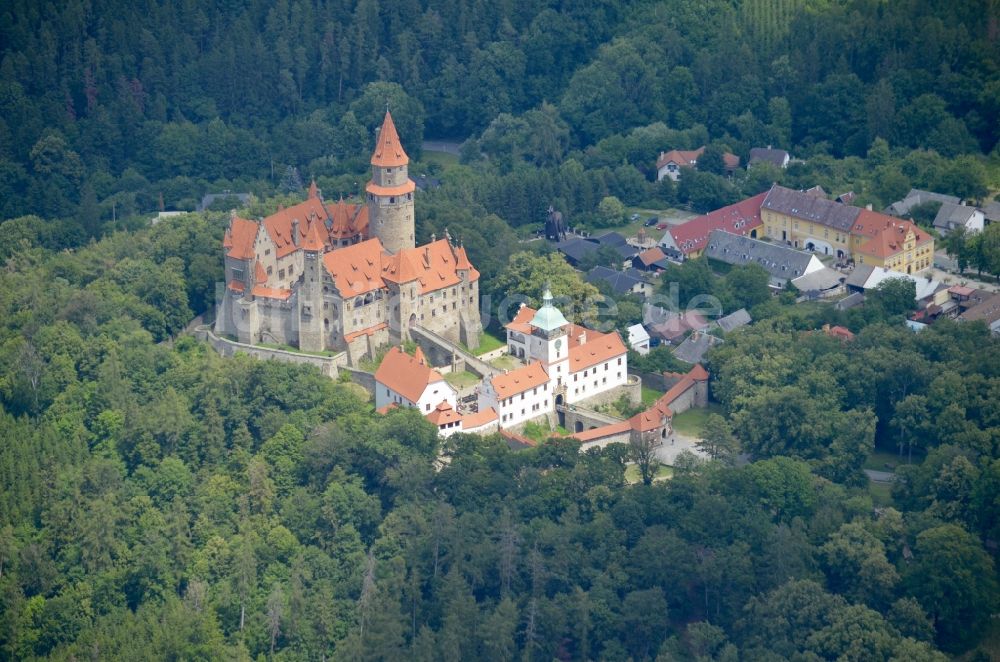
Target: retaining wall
x,y
328,365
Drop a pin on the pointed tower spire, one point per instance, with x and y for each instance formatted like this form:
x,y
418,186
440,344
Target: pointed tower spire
x,y
313,241
313,189
388,149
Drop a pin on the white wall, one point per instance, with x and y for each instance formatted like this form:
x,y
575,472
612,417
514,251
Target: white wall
x,y
597,379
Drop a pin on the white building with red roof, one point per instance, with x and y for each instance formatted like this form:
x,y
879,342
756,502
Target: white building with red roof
x,y
403,380
566,363
691,237
345,277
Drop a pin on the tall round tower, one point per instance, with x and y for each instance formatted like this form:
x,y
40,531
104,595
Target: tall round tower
x,y
390,191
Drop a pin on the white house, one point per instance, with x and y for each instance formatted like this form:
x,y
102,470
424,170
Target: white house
x,y
449,421
951,216
574,362
638,338
410,381
519,395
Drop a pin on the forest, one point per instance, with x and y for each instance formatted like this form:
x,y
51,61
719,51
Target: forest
x,y
159,501
159,498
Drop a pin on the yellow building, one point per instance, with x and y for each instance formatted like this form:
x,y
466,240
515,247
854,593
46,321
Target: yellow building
x,y
808,221
812,222
893,243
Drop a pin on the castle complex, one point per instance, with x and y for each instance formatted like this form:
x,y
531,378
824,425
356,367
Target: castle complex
x,y
345,277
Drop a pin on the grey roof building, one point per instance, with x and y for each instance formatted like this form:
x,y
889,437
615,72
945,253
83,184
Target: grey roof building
x,y
693,349
992,211
917,197
576,249
951,216
210,198
850,301
811,207
629,281
777,157
734,320
781,262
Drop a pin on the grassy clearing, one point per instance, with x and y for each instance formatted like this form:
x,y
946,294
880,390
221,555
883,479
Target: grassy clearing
x,y
631,228
461,380
649,395
358,390
442,159
692,422
883,461
632,475
881,493
505,362
540,430
489,342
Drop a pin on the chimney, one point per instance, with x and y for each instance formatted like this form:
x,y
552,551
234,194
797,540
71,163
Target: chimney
x,y
868,206
295,231
582,338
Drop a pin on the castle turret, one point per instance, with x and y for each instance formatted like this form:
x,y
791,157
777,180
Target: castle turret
x,y
310,299
390,191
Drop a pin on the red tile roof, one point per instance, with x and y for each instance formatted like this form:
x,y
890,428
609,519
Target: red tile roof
x,y
236,286
350,337
240,238
387,408
271,292
409,187
313,242
435,265
356,269
443,414
651,255
887,234
347,220
596,348
686,158
279,224
601,432
259,274
389,150
405,374
479,419
740,218
518,381
646,421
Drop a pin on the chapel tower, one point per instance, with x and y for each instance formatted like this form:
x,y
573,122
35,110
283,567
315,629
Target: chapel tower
x,y
390,191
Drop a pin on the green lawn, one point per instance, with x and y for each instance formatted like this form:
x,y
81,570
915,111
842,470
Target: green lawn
x,y
539,431
489,342
882,461
881,493
505,362
692,422
649,395
461,380
631,228
443,159
632,475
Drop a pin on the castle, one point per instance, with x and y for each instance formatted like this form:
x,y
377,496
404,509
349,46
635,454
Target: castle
x,y
344,277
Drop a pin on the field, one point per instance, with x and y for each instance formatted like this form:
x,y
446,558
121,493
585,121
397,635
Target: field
x,y
505,362
461,380
632,475
489,342
692,422
649,395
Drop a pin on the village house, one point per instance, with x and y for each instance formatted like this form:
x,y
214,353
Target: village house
x,y
690,238
669,164
403,380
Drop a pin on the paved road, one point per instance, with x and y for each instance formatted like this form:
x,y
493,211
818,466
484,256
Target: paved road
x,y
446,146
668,451
880,476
